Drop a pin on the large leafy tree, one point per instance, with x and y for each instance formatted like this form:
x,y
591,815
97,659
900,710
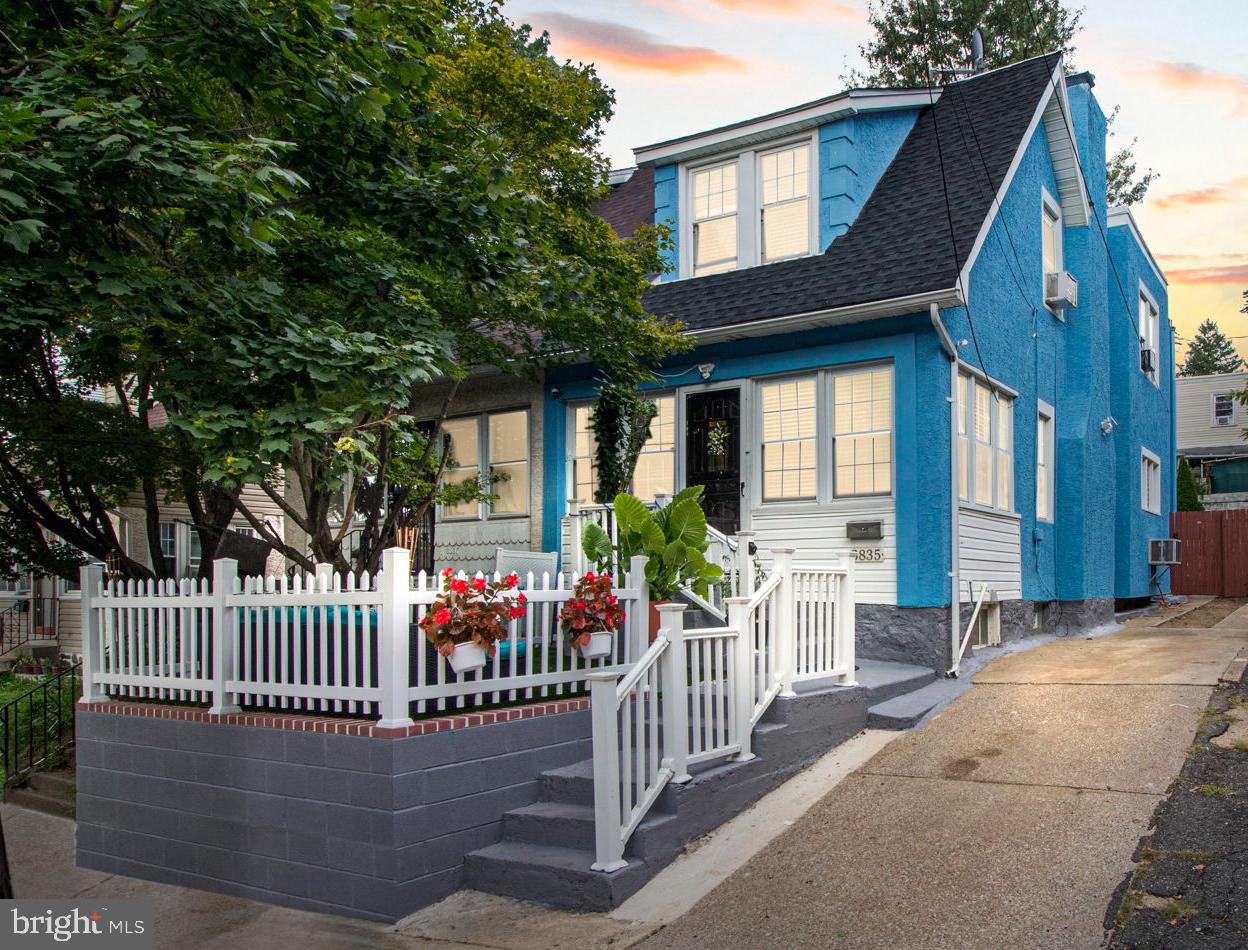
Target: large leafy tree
x,y
913,36
275,225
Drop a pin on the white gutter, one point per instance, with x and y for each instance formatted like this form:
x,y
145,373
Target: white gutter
x,y
955,541
854,313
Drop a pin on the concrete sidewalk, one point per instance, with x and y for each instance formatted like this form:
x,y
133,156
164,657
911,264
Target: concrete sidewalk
x,y
1007,820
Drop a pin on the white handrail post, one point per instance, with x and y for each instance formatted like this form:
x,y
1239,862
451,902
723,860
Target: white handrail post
x,y
843,626
786,621
743,705
90,576
572,560
641,610
324,575
604,706
395,635
224,634
744,565
675,692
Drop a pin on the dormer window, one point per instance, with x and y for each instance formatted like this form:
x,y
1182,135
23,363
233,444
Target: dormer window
x,y
786,203
754,207
715,218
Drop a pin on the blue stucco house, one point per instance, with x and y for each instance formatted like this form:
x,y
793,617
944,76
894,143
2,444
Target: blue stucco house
x,y
923,342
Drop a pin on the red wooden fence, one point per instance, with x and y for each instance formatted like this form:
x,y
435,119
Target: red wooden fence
x,y
1215,553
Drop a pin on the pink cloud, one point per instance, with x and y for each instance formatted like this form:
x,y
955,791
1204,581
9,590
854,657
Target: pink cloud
x,y
1191,78
1216,274
1213,194
630,48
804,9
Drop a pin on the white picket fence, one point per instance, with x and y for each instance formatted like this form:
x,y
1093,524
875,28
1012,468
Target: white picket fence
x,y
328,643
697,695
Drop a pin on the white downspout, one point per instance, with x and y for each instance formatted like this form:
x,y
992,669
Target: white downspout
x,y
955,541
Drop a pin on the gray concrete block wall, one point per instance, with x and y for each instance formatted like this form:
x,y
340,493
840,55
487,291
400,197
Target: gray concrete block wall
x,y
342,824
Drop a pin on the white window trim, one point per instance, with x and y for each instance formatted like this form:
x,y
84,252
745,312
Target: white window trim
x,y
997,393
1049,203
1213,409
1144,488
825,462
749,202
812,197
484,508
1155,376
1046,411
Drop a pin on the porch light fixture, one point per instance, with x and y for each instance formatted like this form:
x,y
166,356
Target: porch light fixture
x,y
705,369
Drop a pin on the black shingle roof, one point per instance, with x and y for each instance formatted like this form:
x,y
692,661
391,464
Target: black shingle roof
x,y
900,243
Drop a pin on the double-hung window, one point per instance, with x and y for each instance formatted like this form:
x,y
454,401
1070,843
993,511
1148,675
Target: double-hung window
x,y
785,215
985,445
1150,333
862,420
1051,234
169,546
715,218
1223,409
1150,482
790,442
655,473
499,442
1044,462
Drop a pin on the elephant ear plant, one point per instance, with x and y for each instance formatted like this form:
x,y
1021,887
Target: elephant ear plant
x,y
673,539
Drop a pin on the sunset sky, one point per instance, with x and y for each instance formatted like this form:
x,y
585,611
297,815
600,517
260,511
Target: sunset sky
x,y
1176,69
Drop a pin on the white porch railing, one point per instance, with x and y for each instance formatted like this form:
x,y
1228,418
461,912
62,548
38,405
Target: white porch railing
x,y
326,643
716,684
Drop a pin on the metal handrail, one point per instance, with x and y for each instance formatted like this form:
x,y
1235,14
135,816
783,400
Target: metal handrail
x,y
37,727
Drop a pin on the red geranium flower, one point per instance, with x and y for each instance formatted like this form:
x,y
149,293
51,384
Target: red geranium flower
x,y
447,572
442,616
459,585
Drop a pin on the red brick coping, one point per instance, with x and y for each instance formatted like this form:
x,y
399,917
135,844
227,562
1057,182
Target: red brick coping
x,y
336,726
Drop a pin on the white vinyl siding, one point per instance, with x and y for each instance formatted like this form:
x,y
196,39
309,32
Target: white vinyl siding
x,y
1194,405
714,218
785,179
986,457
1150,482
990,553
790,446
1044,462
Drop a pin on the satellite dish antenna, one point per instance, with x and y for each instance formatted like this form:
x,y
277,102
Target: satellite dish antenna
x,y
977,50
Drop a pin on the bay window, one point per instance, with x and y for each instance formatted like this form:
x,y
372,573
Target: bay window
x,y
715,218
499,442
789,440
985,445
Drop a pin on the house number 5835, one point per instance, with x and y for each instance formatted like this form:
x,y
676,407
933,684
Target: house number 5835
x,y
867,554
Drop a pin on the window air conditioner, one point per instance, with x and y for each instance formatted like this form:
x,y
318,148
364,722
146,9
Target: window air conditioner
x,y
1223,420
1164,551
1061,290
1147,364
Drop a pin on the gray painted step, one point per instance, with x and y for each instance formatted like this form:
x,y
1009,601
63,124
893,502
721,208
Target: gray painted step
x,y
884,680
903,712
41,801
557,876
563,825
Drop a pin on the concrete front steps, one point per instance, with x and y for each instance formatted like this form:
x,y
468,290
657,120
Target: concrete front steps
x,y
52,792
547,848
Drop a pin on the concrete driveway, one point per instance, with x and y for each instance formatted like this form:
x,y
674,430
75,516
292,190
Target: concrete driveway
x,y
1007,821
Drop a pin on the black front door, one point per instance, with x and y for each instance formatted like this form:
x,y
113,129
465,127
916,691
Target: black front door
x,y
713,454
